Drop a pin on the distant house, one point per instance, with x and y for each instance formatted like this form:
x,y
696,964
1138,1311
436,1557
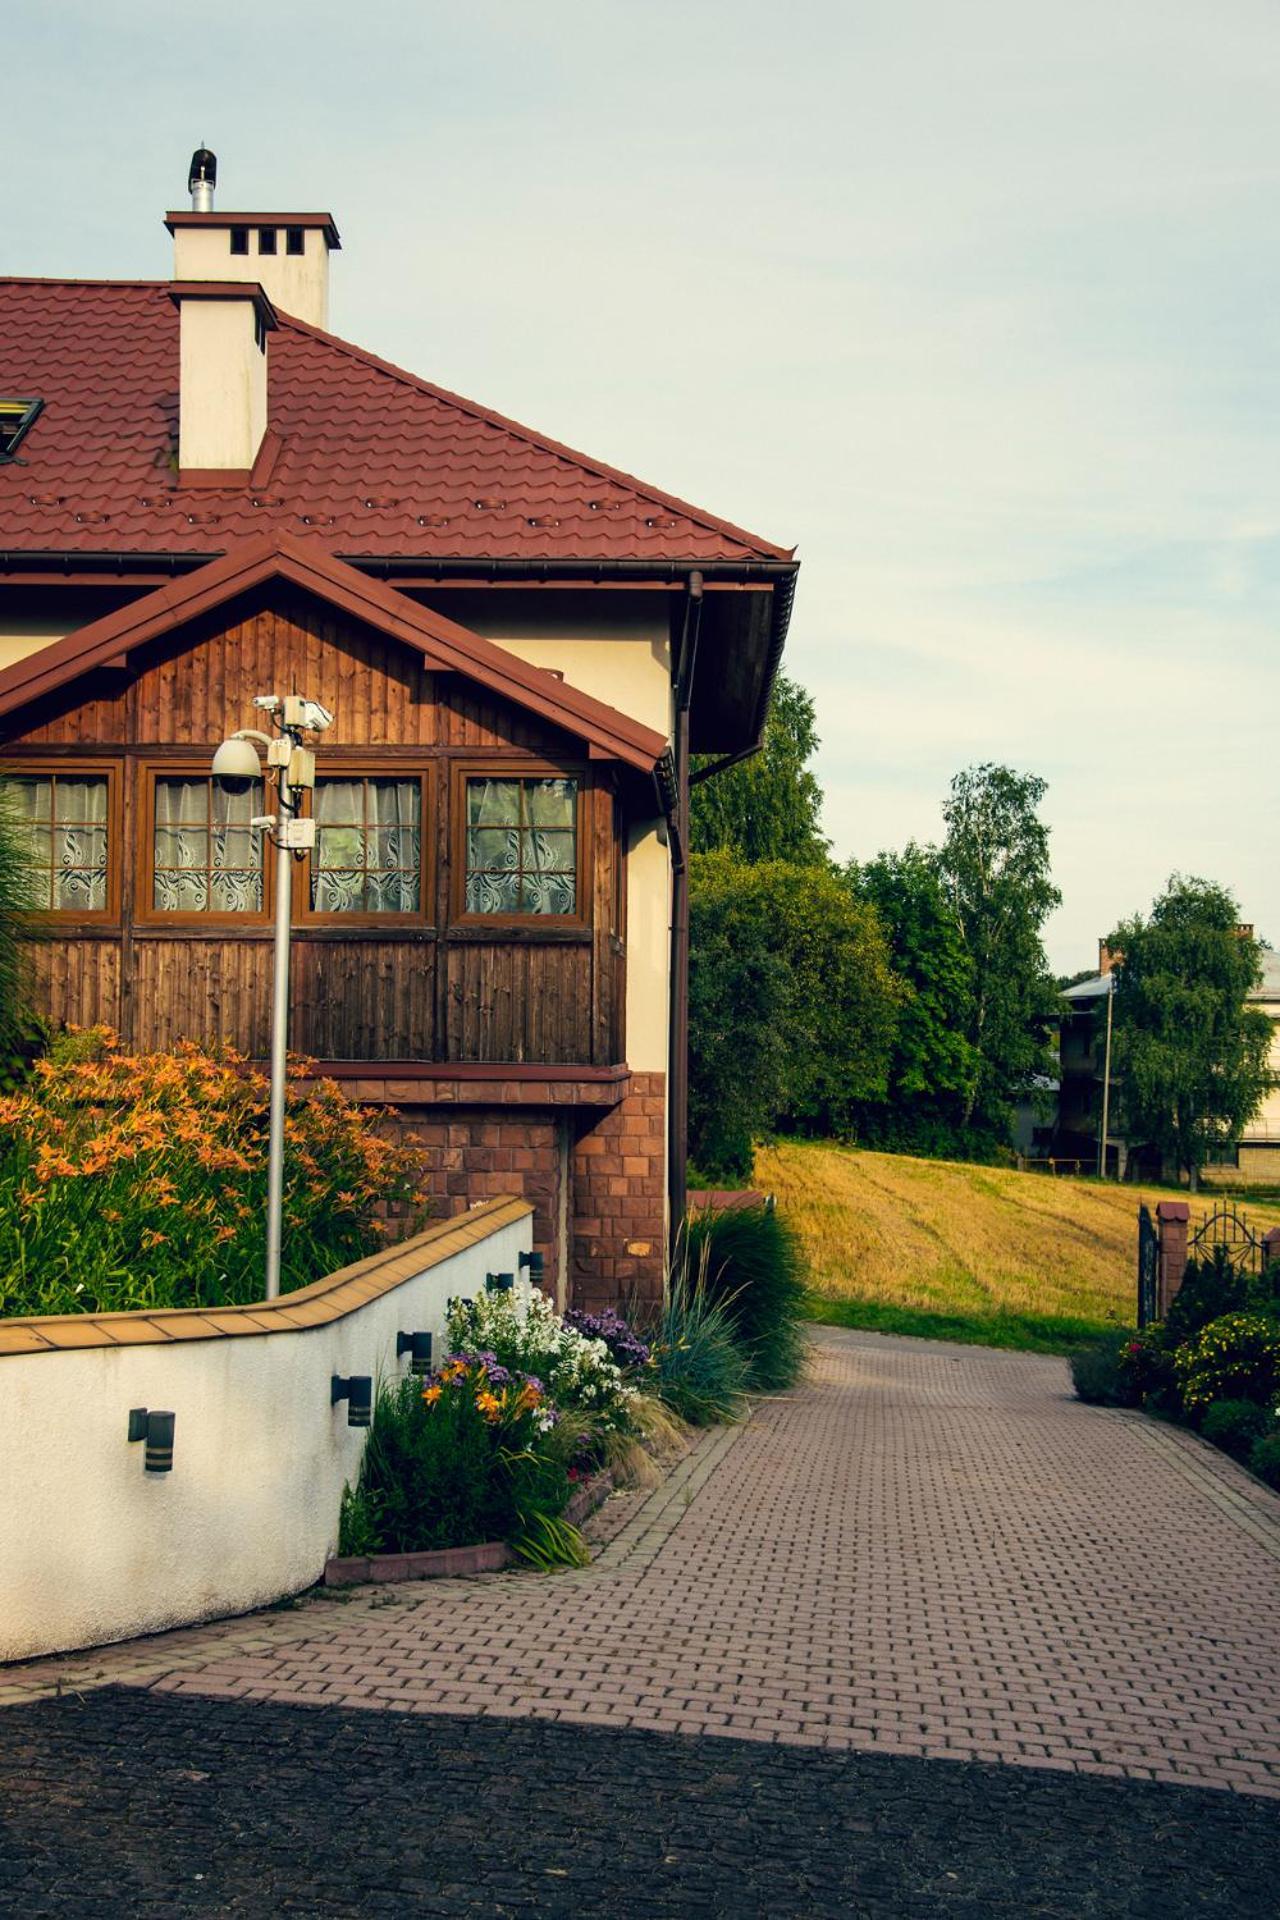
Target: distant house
x,y
205,496
1255,1157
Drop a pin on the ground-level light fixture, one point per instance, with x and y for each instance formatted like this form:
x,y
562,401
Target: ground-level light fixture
x,y
292,767
419,1347
357,1390
156,1429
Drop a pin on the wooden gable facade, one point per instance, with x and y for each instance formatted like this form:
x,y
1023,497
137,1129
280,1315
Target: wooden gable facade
x,y
437,984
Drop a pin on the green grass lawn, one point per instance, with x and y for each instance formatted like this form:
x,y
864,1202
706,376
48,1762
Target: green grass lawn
x,y
951,1251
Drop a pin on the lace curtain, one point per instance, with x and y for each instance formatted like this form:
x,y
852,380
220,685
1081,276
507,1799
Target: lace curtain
x,y
62,828
368,856
207,859
522,854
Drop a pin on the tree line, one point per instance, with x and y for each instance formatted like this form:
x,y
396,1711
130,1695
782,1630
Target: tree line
x,y
901,1002
906,1003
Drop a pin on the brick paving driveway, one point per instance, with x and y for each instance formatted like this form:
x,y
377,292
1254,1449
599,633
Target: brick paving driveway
x,y
929,1553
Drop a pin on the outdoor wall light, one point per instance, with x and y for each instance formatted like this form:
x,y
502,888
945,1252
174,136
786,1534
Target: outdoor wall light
x,y
156,1429
457,1300
418,1346
537,1265
499,1282
357,1390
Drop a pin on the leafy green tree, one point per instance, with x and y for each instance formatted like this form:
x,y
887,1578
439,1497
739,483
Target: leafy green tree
x,y
767,808
1190,1055
994,865
792,1005
932,1064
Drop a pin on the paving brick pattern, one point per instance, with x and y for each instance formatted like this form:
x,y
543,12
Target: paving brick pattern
x,y
153,1805
929,1551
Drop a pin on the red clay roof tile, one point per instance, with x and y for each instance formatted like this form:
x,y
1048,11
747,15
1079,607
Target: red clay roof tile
x,y
377,462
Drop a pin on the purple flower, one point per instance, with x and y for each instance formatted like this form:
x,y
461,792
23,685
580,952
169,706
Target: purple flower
x,y
625,1346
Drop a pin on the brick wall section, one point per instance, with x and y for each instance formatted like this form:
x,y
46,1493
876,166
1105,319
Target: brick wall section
x,y
617,1200
478,1153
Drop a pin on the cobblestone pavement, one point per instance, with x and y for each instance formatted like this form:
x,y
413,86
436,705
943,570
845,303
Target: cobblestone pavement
x,y
150,1806
928,1552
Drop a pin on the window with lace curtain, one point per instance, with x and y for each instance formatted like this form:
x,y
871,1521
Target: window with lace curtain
x,y
369,846
521,846
205,856
64,832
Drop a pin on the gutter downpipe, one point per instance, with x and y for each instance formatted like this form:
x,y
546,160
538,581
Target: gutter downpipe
x,y
678,1074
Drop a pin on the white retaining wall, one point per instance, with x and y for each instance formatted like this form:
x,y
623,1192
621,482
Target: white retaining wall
x,y
93,1548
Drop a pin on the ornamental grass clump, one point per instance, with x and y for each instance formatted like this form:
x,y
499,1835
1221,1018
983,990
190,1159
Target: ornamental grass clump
x,y
139,1180
756,1267
700,1369
469,1455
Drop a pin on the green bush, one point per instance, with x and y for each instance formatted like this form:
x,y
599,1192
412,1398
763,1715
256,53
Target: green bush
x,y
1236,1425
1234,1358
1101,1377
1264,1459
755,1267
1146,1360
699,1367
1209,1289
465,1458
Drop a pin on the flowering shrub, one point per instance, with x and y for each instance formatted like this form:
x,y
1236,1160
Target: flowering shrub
x,y
140,1180
1234,1358
624,1344
466,1457
522,1329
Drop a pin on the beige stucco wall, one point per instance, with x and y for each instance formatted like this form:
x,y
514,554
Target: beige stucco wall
x,y
1265,1124
613,645
34,617
222,403
295,283
648,951
93,1549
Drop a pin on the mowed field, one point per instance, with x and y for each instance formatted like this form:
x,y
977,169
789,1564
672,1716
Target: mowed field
x,y
955,1251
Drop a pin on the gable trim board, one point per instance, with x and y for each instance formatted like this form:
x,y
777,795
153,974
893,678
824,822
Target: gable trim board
x,y
442,644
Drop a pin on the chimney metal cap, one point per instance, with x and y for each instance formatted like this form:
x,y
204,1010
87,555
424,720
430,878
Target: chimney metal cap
x,y
204,168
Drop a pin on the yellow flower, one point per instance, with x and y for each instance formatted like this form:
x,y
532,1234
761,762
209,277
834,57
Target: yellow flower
x,y
489,1405
431,1394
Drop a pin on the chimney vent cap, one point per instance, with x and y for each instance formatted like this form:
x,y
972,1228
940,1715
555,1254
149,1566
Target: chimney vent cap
x,y
202,178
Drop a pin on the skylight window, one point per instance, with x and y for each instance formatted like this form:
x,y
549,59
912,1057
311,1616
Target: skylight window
x,y
16,416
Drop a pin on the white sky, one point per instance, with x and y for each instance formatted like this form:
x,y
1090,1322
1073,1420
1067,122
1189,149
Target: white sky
x,y
975,304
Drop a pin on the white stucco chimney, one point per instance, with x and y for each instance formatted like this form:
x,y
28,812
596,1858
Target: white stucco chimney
x,y
222,381
286,254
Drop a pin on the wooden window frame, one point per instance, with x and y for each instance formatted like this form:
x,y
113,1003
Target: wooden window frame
x,y
54,766
146,913
374,768
491,767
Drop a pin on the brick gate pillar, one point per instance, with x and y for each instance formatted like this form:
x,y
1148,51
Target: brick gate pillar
x,y
1172,1217
1271,1247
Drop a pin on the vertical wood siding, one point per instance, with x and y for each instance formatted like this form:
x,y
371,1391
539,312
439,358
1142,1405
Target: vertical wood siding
x,y
420,993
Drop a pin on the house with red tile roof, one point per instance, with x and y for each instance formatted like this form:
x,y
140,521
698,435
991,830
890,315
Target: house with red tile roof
x,y
206,497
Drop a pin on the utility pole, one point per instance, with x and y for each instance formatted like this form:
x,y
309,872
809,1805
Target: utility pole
x,y
1106,1082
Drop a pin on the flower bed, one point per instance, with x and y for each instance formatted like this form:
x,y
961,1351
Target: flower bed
x,y
139,1181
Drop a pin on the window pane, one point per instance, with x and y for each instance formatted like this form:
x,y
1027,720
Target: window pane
x,y
493,802
493,847
62,833
551,803
493,893
548,852
548,893
368,846
528,864
205,856
82,889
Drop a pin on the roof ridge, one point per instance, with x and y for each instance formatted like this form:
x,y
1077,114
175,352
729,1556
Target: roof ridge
x,y
72,280
766,549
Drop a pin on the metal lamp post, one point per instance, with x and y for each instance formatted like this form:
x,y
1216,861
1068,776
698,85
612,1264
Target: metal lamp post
x,y
294,770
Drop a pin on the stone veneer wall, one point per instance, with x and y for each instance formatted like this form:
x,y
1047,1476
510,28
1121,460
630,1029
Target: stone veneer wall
x,y
618,1199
